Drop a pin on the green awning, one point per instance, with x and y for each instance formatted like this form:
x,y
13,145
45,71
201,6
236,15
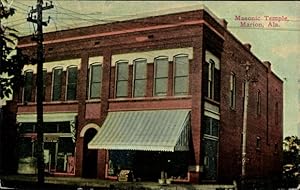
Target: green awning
x,y
157,130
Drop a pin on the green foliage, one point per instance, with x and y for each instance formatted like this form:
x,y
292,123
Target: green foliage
x,y
291,160
11,58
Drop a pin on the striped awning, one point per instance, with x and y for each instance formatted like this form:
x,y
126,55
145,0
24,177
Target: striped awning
x,y
159,130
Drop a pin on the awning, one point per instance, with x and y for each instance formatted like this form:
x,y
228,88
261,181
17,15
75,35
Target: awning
x,y
159,130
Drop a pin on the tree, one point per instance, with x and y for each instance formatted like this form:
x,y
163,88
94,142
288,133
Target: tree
x,y
291,160
11,58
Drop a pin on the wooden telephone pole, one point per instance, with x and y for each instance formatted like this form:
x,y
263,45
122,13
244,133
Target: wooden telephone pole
x,y
38,19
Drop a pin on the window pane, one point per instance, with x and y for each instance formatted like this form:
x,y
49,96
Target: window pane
x,y
64,127
216,85
50,127
140,88
72,75
96,73
27,128
57,77
205,79
122,69
215,127
161,85
25,147
181,66
140,69
122,89
161,67
71,92
95,90
206,127
28,86
181,85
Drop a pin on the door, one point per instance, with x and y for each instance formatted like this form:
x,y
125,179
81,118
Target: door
x,y
50,150
210,159
89,164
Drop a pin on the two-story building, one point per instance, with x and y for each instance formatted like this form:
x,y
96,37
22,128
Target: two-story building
x,y
156,95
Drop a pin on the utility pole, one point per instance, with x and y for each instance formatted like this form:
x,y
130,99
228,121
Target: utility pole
x,y
248,79
39,84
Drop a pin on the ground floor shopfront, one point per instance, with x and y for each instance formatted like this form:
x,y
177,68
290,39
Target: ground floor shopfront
x,y
152,144
59,143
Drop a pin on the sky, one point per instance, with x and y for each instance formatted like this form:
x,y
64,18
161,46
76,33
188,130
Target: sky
x,y
273,30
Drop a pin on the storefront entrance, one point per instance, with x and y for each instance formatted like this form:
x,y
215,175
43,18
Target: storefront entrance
x,y
89,164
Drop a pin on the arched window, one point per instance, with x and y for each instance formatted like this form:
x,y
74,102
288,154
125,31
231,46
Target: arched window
x,y
258,103
140,77
181,74
71,82
95,80
27,92
232,90
161,68
122,79
56,83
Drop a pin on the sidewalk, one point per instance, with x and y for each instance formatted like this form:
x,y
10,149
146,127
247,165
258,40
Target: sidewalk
x,y
77,182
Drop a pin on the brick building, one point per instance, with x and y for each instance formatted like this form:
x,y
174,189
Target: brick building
x,y
160,93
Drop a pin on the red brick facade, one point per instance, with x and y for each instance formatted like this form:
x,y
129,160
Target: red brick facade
x,y
201,32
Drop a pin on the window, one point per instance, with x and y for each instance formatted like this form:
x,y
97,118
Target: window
x,y
258,103
56,83
258,143
232,90
95,81
211,126
122,79
161,65
71,83
27,93
211,77
140,78
181,75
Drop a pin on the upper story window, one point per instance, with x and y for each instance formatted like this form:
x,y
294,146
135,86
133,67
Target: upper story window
x,y
140,77
258,103
232,90
56,83
71,82
181,74
27,92
95,81
211,77
122,79
161,65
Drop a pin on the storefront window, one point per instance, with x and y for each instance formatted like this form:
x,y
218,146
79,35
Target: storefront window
x,y
59,148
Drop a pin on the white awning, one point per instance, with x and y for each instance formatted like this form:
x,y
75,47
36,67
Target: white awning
x,y
47,117
157,130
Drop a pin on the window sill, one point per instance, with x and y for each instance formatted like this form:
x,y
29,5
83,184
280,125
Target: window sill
x,y
149,98
211,101
93,100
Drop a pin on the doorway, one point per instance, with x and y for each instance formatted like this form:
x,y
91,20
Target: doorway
x,y
89,165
